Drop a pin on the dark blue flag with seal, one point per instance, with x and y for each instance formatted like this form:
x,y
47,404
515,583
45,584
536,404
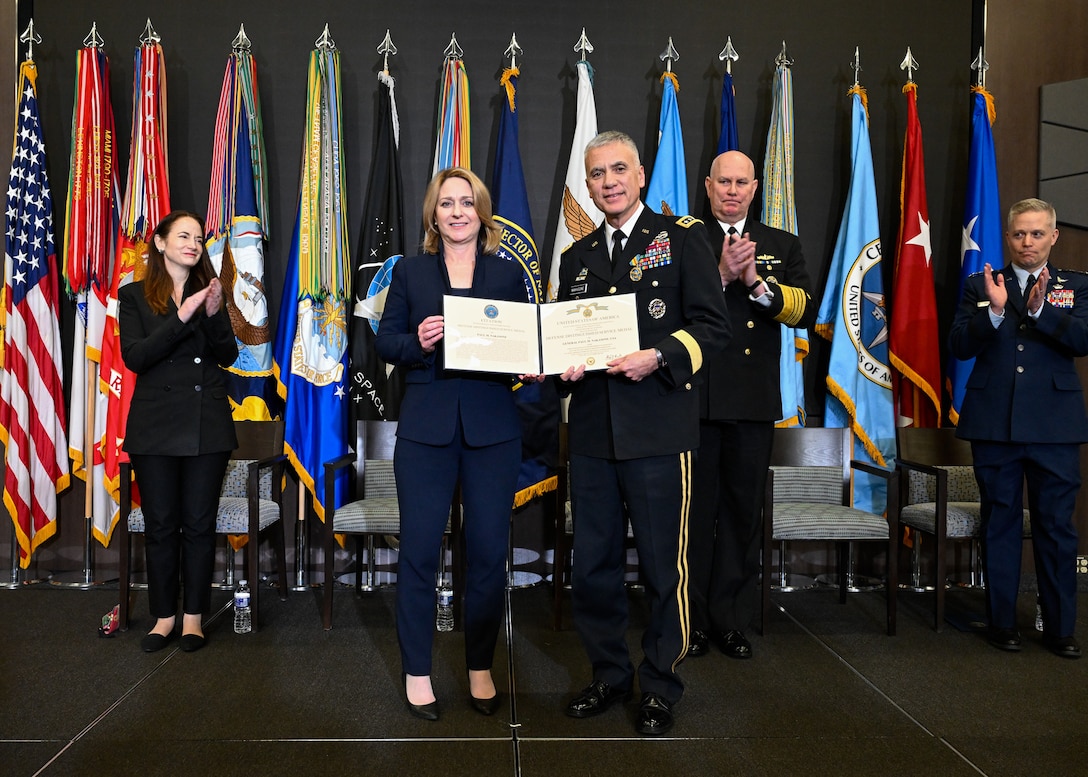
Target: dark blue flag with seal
x,y
538,403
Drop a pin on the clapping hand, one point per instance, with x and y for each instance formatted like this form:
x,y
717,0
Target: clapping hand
x,y
213,299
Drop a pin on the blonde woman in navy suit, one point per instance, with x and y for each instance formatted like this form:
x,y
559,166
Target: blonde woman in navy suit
x,y
176,337
454,427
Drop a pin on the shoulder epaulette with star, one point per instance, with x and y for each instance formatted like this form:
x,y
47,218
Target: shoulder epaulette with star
x,y
687,221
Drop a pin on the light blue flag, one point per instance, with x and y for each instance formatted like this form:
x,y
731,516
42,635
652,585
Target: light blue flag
x,y
853,317
780,212
538,403
982,225
668,189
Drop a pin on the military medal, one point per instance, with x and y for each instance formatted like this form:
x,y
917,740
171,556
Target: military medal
x,y
636,273
656,308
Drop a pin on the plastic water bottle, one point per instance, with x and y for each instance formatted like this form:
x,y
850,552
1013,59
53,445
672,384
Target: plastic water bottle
x,y
243,617
1038,614
444,617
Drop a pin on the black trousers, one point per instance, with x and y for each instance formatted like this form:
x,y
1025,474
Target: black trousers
x,y
726,516
179,496
655,492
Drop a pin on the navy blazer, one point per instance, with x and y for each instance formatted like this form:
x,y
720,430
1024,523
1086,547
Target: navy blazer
x,y
179,406
744,381
1024,386
434,397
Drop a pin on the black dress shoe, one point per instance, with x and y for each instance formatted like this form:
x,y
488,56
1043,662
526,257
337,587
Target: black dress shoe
x,y
485,706
190,643
654,715
1004,639
153,643
734,644
595,698
1066,647
698,645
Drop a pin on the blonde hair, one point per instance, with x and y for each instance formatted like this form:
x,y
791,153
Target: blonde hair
x,y
1032,205
490,232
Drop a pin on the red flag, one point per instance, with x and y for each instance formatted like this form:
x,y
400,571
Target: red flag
x,y
914,346
32,392
147,200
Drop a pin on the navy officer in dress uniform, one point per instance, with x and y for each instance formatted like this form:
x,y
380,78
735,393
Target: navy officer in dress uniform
x,y
633,429
1023,411
766,286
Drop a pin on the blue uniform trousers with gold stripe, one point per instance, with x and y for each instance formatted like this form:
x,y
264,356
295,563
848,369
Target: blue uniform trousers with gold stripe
x,y
655,493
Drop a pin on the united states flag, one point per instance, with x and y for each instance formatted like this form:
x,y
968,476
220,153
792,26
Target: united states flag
x,y
31,390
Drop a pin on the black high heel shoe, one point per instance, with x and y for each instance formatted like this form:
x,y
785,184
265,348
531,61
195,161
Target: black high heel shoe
x,y
485,706
429,711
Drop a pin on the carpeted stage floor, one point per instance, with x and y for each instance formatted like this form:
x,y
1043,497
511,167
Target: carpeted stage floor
x,y
826,694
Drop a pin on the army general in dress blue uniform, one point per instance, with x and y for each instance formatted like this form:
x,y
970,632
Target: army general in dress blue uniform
x,y
633,429
1023,411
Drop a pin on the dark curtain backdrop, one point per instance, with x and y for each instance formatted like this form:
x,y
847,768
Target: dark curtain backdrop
x,y
627,39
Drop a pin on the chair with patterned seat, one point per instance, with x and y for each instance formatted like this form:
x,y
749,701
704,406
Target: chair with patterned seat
x,y
371,510
808,499
250,504
940,499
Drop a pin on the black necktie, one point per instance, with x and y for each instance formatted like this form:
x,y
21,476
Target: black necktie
x,y
617,246
732,233
1028,285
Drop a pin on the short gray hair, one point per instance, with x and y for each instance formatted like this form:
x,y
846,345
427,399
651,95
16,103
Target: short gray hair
x,y
609,137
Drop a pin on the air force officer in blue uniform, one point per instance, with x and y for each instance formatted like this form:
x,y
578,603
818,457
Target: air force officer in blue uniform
x,y
1023,412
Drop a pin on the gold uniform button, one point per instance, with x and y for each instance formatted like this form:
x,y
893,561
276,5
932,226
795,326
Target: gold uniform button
x,y
1020,369
751,324
1020,347
612,290
654,283
687,387
747,351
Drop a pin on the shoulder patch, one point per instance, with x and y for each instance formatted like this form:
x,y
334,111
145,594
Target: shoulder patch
x,y
1063,271
687,221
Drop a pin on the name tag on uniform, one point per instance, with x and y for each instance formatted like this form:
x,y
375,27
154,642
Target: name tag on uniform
x,y
579,288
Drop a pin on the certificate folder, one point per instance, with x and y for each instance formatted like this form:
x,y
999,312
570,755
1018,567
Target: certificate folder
x,y
522,338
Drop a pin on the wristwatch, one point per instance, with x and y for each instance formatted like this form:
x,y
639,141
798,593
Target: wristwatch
x,y
756,285
660,358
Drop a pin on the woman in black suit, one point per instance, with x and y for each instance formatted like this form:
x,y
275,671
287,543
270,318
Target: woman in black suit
x,y
176,337
454,427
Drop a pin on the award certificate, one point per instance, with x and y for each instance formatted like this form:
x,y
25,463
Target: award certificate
x,y
521,338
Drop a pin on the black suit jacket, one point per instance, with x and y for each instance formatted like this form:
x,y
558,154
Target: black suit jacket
x,y
435,397
1024,385
179,406
681,312
743,382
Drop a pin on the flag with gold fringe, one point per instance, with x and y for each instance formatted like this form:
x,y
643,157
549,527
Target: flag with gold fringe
x,y
311,351
146,202
92,214
236,231
780,212
914,347
537,403
853,317
31,379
